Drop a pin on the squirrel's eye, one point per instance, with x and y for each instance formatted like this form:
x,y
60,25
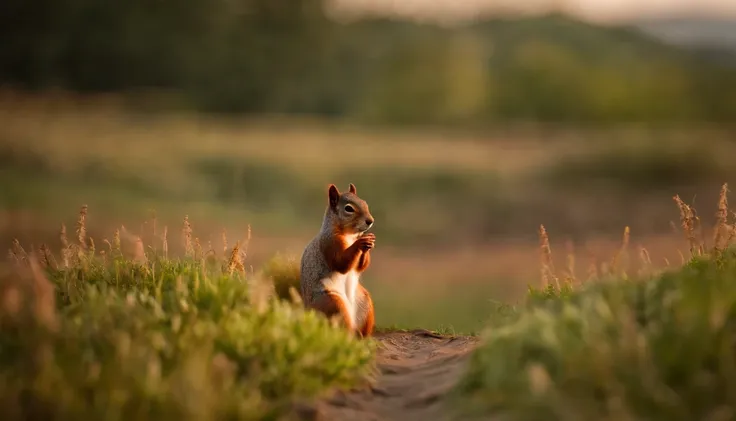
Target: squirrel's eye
x,y
349,209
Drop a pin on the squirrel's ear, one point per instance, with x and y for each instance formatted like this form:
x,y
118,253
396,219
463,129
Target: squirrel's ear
x,y
334,195
352,188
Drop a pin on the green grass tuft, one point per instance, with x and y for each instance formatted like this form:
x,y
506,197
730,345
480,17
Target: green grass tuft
x,y
98,335
656,347
283,271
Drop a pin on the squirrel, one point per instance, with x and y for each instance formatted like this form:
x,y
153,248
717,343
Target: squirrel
x,y
334,260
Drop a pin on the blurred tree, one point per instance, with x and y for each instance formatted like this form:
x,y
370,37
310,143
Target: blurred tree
x,y
258,55
286,56
230,54
546,83
29,41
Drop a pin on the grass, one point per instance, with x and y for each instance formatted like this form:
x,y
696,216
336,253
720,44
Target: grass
x,y
436,307
443,307
272,173
118,329
452,207
123,329
566,337
656,346
648,167
283,272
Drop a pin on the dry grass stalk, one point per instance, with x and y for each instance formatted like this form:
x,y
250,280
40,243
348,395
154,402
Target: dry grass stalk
x,y
721,230
592,266
571,261
224,243
165,241
675,229
682,257
646,260
65,246
622,251
17,252
187,237
687,220
210,255
548,271
116,242
731,229
235,262
139,251
82,227
247,243
63,237
198,253
731,234
47,259
109,245
699,231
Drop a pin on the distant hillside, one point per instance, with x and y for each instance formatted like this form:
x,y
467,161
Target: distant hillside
x,y
711,39
693,32
547,68
287,57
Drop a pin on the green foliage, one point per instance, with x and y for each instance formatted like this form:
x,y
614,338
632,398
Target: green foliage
x,y
645,166
442,306
649,349
219,52
404,192
279,56
253,183
109,337
284,273
550,292
550,69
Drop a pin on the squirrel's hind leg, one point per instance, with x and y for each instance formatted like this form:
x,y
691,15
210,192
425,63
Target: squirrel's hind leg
x,y
368,319
331,305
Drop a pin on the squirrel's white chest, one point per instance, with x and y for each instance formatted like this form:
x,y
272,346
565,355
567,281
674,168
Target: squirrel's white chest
x,y
346,285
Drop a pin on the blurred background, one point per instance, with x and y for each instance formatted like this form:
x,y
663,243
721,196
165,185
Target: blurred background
x,y
464,124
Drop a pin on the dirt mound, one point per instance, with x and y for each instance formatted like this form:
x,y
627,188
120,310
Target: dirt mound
x,y
417,369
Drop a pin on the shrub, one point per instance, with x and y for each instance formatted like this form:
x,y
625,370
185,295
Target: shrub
x,y
645,166
101,335
284,273
659,347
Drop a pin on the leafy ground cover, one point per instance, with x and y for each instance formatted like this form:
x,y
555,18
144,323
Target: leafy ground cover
x,y
655,346
118,329
126,332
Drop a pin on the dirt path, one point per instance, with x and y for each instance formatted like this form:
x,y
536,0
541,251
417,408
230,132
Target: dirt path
x,y
417,369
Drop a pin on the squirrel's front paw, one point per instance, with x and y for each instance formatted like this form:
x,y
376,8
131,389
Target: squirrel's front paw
x,y
367,242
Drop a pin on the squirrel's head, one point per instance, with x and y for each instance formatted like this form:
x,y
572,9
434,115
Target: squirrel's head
x,y
349,211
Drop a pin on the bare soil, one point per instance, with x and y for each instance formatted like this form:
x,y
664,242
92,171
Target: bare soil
x,y
417,370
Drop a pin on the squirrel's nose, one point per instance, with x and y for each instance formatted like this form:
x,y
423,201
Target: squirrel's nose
x,y
369,221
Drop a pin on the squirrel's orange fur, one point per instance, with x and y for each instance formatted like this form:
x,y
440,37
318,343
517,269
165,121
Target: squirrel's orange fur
x,y
370,317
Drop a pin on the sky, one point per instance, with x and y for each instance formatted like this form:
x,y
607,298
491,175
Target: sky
x,y
594,10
